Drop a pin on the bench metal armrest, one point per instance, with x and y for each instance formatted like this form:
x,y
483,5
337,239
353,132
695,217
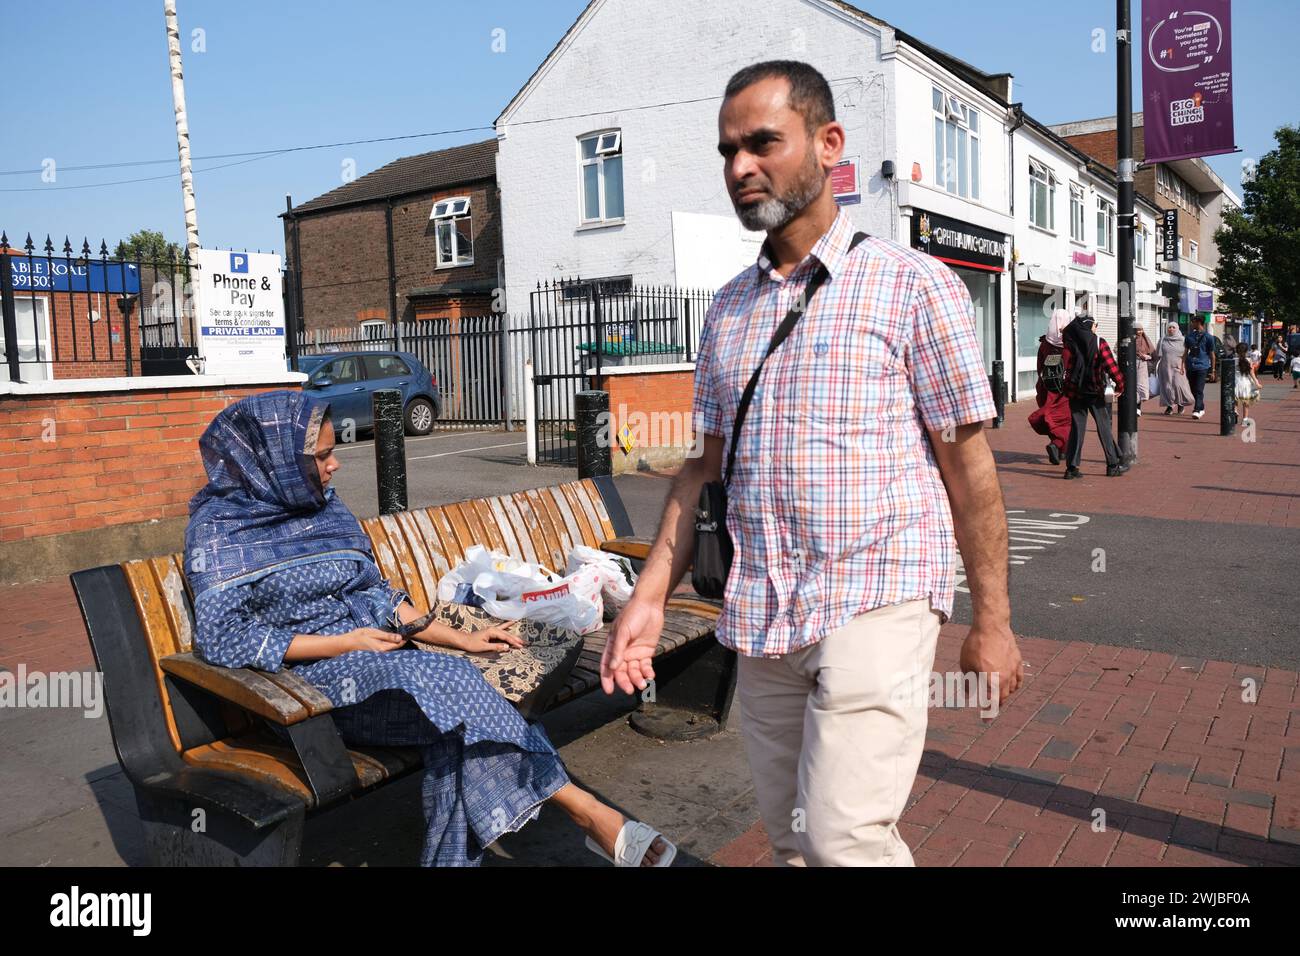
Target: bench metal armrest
x,y
283,698
638,549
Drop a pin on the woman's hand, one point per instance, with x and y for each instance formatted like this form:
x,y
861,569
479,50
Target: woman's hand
x,y
494,639
370,639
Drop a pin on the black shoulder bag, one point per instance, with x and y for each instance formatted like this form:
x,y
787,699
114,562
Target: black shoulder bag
x,y
714,550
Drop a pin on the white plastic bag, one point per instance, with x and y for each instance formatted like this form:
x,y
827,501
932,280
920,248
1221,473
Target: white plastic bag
x,y
617,579
493,581
574,603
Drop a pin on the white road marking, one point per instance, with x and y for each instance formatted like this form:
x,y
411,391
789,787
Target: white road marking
x,y
463,451
1027,534
370,442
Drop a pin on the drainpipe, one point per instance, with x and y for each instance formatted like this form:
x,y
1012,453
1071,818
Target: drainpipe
x,y
392,271
1018,111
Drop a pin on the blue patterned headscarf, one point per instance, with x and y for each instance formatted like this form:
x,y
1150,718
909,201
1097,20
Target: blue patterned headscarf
x,y
263,504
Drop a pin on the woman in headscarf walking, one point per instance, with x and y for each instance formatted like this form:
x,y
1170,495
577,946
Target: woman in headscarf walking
x,y
1089,363
1145,353
1175,391
1052,416
283,575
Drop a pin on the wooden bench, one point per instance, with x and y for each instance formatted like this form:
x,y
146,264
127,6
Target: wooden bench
x,y
215,786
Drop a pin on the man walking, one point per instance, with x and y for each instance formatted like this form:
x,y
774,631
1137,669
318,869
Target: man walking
x,y
862,451
1199,361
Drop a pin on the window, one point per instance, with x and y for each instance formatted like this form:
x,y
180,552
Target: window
x,y
1077,227
1105,225
373,329
600,172
381,365
956,145
1042,196
341,371
453,229
1141,241
1192,246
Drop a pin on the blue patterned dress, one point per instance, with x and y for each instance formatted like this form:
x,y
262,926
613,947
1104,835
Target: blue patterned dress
x,y
487,770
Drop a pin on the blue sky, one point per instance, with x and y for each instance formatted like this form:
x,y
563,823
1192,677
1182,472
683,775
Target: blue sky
x,y
87,83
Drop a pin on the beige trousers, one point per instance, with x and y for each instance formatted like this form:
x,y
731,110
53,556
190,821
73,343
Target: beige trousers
x,y
834,734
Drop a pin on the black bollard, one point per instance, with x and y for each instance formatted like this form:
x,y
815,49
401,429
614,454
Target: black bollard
x,y
390,450
1227,391
591,414
997,383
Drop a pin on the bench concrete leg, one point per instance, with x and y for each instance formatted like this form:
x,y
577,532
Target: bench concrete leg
x,y
224,840
693,692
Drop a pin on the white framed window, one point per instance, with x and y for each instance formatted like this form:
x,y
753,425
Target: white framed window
x,y
1192,247
33,327
1105,225
453,230
1077,228
1141,243
956,145
1180,247
372,329
600,177
1042,196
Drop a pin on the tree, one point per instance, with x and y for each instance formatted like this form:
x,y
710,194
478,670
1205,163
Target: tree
x,y
1259,245
147,246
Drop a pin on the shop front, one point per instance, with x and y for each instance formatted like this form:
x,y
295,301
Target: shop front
x,y
979,257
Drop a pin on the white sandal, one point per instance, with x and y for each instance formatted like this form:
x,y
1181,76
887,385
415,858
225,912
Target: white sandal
x,y
630,847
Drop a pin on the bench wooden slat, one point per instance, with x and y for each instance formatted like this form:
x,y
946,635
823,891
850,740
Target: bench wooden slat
x,y
438,564
571,529
598,504
300,690
585,532
240,685
583,494
418,581
473,525
446,536
157,629
527,550
384,556
552,539
459,529
533,528
488,520
505,528
636,548
403,559
171,584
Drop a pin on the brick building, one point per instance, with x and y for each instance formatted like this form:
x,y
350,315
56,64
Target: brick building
x,y
419,238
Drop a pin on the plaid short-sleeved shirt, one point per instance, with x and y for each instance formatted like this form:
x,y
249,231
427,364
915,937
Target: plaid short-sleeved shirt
x,y
836,505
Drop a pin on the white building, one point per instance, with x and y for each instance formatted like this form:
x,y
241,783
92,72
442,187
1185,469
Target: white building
x,y
1066,237
608,166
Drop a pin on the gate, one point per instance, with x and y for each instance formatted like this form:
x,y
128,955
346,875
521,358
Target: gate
x,y
578,330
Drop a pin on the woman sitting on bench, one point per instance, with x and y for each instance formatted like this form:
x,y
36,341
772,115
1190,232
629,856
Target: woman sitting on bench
x,y
283,575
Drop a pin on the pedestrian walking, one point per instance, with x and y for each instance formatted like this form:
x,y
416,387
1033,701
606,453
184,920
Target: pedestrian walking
x,y
1089,362
862,454
1277,357
1200,362
1175,393
1052,416
1145,353
1295,372
1247,388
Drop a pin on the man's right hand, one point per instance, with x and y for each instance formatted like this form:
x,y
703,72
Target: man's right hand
x,y
630,650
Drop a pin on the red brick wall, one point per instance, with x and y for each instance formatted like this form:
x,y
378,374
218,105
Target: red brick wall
x,y
78,347
650,393
113,458
345,256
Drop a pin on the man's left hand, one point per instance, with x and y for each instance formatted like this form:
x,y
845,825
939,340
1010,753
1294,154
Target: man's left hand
x,y
992,650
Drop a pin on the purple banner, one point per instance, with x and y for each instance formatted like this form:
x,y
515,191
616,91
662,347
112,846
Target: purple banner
x,y
1186,50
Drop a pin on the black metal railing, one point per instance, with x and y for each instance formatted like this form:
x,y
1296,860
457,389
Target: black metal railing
x,y
80,314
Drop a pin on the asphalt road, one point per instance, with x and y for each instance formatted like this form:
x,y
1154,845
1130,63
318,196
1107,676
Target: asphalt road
x,y
1175,586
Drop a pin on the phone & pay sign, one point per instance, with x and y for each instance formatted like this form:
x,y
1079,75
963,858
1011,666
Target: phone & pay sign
x,y
239,302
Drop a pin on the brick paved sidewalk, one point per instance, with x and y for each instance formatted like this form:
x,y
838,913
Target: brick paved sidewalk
x,y
1186,772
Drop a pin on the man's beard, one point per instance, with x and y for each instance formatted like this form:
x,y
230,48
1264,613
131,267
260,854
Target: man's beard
x,y
776,211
